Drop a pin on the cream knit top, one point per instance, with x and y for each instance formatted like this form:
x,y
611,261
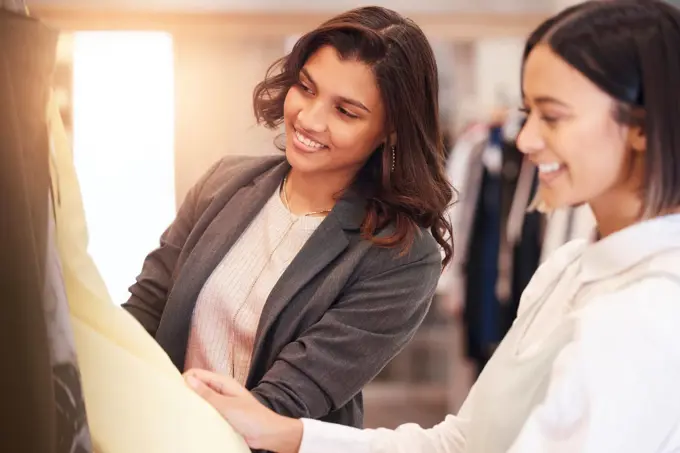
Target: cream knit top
x,y
229,307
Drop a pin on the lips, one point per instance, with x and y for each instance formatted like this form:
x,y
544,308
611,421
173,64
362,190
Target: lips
x,y
550,167
307,141
550,171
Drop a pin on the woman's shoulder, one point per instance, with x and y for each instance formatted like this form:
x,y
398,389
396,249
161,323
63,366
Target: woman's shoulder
x,y
423,255
641,315
412,273
232,168
233,164
641,302
425,244
650,290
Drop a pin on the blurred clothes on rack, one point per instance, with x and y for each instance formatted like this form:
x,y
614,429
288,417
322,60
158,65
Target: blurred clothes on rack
x,y
498,243
464,171
482,307
41,392
521,235
136,400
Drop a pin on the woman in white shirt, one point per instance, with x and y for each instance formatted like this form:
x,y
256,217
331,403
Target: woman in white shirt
x,y
592,362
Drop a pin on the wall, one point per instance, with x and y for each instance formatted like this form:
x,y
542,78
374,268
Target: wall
x,y
214,82
310,5
215,78
215,72
561,4
497,71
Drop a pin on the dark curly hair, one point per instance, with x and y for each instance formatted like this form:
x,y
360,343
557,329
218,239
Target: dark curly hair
x,y
416,194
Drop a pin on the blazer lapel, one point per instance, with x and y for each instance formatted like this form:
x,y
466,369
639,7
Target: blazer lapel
x,y
218,238
325,245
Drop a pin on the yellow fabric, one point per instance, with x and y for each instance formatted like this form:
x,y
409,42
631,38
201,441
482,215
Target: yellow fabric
x,y
136,400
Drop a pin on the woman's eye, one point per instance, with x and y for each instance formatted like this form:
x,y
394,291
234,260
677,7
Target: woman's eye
x,y
305,88
347,112
548,119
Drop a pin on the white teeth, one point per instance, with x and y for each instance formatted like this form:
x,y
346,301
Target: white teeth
x,y
307,141
549,168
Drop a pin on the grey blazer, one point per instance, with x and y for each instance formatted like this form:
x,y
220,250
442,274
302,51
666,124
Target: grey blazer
x,y
340,312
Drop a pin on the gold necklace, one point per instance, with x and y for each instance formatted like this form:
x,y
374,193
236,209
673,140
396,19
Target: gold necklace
x,y
285,201
234,318
251,287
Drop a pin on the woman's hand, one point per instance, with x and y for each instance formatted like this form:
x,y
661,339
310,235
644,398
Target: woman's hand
x,y
261,427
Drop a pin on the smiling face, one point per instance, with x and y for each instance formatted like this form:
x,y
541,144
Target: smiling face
x,y
334,116
583,154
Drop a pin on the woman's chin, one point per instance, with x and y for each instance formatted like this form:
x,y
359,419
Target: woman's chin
x,y
547,203
303,161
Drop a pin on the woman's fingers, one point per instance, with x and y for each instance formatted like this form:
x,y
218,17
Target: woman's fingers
x,y
224,385
204,391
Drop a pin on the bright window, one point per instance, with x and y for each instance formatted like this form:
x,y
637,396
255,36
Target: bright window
x,y
123,140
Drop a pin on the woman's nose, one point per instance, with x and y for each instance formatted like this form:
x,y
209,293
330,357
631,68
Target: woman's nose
x,y
530,140
314,117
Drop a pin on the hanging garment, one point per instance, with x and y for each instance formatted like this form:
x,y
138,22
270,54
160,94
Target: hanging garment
x,y
41,391
526,259
464,170
73,433
521,240
136,400
482,307
516,185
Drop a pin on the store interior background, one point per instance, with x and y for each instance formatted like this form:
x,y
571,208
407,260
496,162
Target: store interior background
x,y
154,92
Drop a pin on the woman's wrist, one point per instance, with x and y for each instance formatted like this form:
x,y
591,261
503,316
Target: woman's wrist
x,y
284,437
292,435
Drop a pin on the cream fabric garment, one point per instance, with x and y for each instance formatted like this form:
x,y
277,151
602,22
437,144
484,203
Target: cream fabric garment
x,y
136,400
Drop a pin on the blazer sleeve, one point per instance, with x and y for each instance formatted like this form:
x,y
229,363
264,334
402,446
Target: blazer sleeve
x,y
335,358
149,294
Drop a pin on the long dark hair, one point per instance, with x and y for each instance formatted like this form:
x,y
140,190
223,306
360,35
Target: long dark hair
x,y
630,49
417,193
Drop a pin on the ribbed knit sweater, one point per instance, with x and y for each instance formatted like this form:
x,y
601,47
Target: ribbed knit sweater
x,y
230,304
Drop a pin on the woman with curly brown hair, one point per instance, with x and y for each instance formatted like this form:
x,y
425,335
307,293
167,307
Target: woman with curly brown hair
x,y
302,275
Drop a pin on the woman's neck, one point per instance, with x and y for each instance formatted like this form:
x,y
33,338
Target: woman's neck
x,y
615,212
307,192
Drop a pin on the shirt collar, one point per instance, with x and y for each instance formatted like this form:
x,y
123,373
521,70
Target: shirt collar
x,y
625,248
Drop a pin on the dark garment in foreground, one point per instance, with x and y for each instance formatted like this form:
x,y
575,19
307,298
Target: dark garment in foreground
x,y
42,405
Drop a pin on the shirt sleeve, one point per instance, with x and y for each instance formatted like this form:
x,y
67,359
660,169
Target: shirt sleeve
x,y
446,437
614,388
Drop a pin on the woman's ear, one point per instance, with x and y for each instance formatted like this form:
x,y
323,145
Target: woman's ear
x,y
637,139
392,140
